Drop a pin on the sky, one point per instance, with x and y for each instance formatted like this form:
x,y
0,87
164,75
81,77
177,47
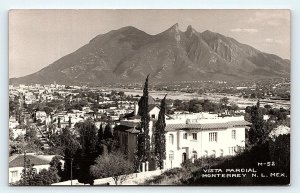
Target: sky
x,y
37,38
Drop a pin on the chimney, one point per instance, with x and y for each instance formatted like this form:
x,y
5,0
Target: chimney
x,y
136,108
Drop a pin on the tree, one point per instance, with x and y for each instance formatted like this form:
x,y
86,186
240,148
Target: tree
x,y
71,146
10,134
70,122
267,106
280,151
259,130
159,135
121,93
143,153
234,107
88,151
100,136
32,143
13,106
224,100
48,110
223,104
28,173
58,122
46,177
278,114
194,106
31,133
112,165
107,132
55,163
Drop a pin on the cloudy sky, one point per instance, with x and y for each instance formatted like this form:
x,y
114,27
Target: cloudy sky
x,y
39,37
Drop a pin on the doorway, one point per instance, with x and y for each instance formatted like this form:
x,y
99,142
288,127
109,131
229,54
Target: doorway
x,y
183,157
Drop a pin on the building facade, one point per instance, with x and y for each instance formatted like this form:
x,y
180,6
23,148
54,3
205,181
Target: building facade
x,y
188,136
16,165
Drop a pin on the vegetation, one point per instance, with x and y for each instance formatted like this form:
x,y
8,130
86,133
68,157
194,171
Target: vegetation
x,y
159,135
30,177
113,165
176,176
143,153
28,174
85,147
261,153
87,153
276,153
260,128
262,149
71,146
196,106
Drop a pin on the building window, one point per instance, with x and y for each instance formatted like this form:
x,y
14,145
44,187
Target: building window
x,y
213,136
232,150
153,116
183,157
14,174
171,138
233,134
185,136
171,155
194,136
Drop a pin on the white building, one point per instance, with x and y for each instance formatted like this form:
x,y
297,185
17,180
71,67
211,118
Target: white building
x,y
40,115
188,136
16,164
203,138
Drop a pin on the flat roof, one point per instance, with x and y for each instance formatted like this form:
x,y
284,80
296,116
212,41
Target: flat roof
x,y
206,126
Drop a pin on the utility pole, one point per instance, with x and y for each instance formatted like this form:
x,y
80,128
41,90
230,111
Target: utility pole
x,y
24,151
71,171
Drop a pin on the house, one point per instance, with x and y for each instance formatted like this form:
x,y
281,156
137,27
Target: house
x,y
16,164
86,109
203,138
30,98
18,132
13,123
40,115
187,136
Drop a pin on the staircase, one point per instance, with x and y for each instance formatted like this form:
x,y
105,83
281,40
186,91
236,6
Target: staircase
x,y
42,135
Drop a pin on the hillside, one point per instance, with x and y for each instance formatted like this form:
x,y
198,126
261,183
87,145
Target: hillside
x,y
129,54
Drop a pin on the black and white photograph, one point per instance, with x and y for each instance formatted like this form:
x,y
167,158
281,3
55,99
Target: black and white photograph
x,y
149,97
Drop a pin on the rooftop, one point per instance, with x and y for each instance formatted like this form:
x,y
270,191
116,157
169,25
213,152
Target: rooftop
x,y
206,126
18,160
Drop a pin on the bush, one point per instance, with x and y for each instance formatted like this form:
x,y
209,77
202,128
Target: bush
x,y
171,176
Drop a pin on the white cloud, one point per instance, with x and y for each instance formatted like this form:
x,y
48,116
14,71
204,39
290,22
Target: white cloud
x,y
248,30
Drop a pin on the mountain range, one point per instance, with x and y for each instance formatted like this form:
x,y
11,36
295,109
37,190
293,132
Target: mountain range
x,y
129,54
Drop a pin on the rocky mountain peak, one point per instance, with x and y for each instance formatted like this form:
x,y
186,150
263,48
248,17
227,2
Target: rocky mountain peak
x,y
128,54
173,32
189,31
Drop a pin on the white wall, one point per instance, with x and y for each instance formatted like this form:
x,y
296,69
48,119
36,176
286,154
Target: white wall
x,y
19,170
155,112
202,145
